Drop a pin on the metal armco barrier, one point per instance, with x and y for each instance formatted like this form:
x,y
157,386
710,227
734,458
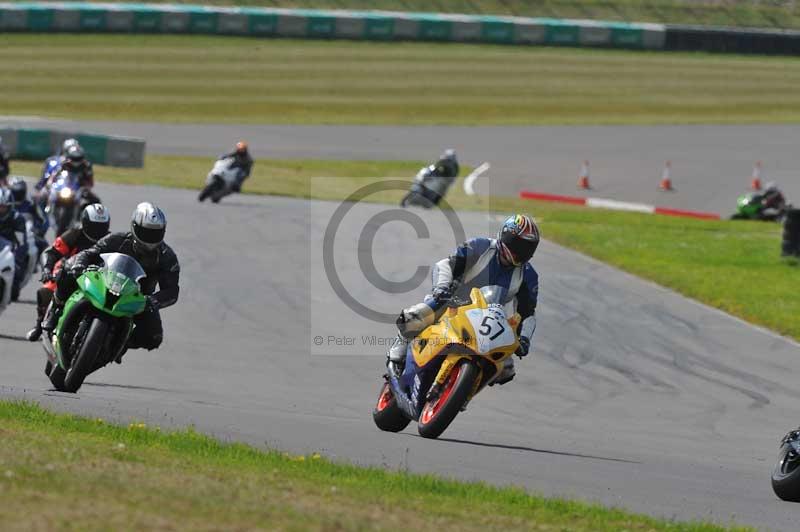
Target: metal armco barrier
x,y
317,24
38,144
790,246
384,26
732,40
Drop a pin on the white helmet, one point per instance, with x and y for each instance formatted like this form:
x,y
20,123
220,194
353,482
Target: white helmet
x,y
148,225
95,222
67,144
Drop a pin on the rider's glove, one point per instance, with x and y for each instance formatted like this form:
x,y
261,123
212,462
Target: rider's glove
x,y
524,346
150,304
442,293
75,270
47,276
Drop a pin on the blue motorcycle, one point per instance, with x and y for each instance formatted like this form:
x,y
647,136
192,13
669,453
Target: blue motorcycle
x,y
66,200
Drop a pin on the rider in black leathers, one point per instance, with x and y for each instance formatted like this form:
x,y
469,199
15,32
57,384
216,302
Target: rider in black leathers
x,y
145,243
447,165
5,164
433,181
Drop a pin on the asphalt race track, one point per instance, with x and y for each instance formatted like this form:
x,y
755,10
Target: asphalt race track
x,y
711,165
634,397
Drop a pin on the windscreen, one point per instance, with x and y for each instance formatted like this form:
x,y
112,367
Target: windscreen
x,y
494,294
123,265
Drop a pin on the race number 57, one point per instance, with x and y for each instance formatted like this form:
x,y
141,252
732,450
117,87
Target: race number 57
x,y
487,327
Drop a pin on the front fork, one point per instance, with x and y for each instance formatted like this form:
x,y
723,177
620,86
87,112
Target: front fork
x,y
444,372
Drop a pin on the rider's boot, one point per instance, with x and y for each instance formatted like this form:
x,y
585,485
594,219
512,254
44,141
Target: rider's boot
x,y
35,333
52,316
397,354
507,374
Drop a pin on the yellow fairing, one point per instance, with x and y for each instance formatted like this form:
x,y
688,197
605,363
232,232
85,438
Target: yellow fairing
x,y
453,336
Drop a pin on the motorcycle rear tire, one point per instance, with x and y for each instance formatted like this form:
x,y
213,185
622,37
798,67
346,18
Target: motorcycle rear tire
x,y
387,415
785,480
83,363
458,396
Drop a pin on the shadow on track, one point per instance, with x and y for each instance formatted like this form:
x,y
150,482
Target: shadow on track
x,y
124,386
238,205
14,337
534,450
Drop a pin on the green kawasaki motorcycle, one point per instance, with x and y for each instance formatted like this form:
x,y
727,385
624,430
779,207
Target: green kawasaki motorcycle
x,y
753,207
96,323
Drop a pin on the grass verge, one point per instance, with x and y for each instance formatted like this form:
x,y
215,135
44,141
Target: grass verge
x,y
733,266
65,472
208,79
774,14
279,177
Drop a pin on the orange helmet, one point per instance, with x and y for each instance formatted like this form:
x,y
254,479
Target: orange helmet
x,y
241,147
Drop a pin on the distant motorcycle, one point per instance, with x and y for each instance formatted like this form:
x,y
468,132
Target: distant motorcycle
x,y
786,475
753,207
427,189
7,267
221,180
9,290
66,200
30,265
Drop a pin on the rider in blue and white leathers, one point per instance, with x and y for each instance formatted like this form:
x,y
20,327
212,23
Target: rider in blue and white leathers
x,y
31,211
14,230
477,263
53,163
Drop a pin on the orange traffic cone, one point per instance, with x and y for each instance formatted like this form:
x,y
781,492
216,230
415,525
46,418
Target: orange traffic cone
x,y
755,182
666,179
583,177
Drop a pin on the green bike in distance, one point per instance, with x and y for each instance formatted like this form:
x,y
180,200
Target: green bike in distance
x,y
96,323
752,207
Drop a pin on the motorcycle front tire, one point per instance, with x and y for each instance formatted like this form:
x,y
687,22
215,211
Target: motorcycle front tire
x,y
457,397
64,219
786,476
56,376
83,363
209,190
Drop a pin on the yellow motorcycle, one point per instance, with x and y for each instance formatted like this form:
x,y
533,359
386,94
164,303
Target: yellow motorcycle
x,y
461,350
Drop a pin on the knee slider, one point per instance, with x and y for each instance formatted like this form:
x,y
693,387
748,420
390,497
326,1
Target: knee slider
x,y
414,320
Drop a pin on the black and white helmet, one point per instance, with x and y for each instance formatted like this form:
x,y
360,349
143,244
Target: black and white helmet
x,y
74,157
148,225
68,144
95,222
6,204
19,189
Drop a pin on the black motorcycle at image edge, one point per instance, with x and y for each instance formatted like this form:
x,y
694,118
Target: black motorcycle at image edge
x,y
786,475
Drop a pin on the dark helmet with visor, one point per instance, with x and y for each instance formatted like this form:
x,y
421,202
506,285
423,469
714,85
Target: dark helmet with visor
x,y
518,239
148,225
